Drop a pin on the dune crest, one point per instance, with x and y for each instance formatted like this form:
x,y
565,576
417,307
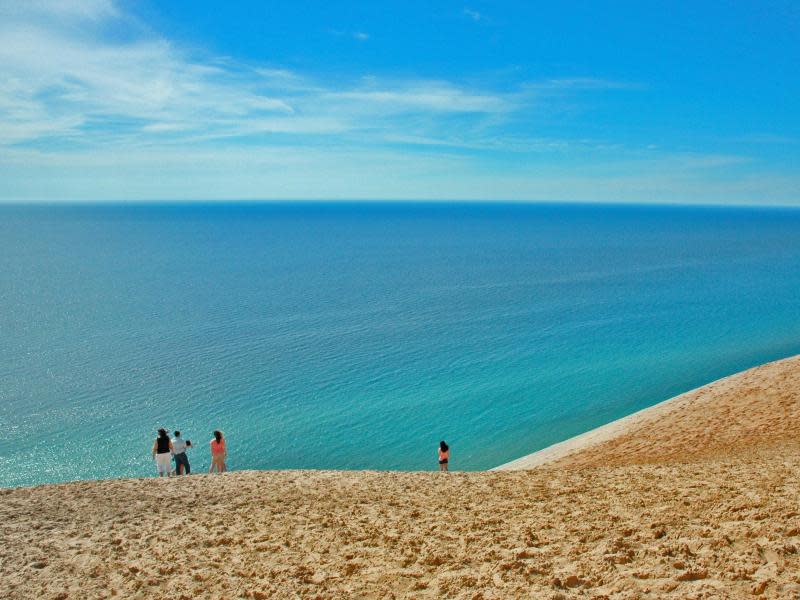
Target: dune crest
x,y
759,407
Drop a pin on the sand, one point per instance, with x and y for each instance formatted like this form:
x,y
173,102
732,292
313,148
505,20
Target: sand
x,y
757,407
699,501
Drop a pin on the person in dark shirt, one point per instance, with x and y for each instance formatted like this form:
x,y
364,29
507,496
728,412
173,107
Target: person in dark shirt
x,y
162,453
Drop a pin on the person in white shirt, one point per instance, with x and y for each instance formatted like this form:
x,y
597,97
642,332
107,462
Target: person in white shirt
x,y
179,454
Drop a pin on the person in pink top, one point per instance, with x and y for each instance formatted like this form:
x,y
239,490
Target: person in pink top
x,y
444,456
219,453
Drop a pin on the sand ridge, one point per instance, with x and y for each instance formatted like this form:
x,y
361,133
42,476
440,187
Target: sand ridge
x,y
754,408
674,511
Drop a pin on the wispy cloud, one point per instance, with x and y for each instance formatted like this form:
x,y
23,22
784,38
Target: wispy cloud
x,y
581,84
59,9
437,96
472,14
361,36
60,81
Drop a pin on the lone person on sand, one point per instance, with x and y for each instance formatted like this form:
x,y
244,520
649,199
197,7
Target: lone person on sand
x,y
444,455
162,453
219,452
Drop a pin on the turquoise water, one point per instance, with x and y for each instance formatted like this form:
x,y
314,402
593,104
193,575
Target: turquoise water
x,y
351,336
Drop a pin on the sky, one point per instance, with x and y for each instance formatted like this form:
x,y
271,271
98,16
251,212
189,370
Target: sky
x,y
618,101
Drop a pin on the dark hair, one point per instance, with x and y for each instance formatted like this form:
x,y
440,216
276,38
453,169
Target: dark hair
x,y
218,436
162,433
177,434
443,447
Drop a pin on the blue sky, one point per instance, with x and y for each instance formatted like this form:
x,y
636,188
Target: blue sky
x,y
688,102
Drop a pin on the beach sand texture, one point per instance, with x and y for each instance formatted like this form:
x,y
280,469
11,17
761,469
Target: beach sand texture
x,y
701,502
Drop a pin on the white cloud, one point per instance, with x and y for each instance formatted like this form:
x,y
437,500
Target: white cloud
x,y
69,83
431,95
361,36
581,83
51,75
472,14
58,9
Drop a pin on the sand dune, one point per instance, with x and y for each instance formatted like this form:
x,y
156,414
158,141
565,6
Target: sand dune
x,y
759,407
699,501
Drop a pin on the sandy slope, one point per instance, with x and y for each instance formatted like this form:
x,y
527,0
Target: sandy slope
x,y
703,503
758,407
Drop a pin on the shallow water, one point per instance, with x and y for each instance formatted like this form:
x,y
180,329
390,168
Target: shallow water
x,y
352,336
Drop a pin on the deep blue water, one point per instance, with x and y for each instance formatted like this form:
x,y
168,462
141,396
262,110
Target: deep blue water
x,y
357,336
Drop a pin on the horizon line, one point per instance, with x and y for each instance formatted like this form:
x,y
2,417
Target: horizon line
x,y
378,202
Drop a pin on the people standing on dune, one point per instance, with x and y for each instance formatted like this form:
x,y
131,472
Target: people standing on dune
x,y
179,454
444,455
219,453
162,453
